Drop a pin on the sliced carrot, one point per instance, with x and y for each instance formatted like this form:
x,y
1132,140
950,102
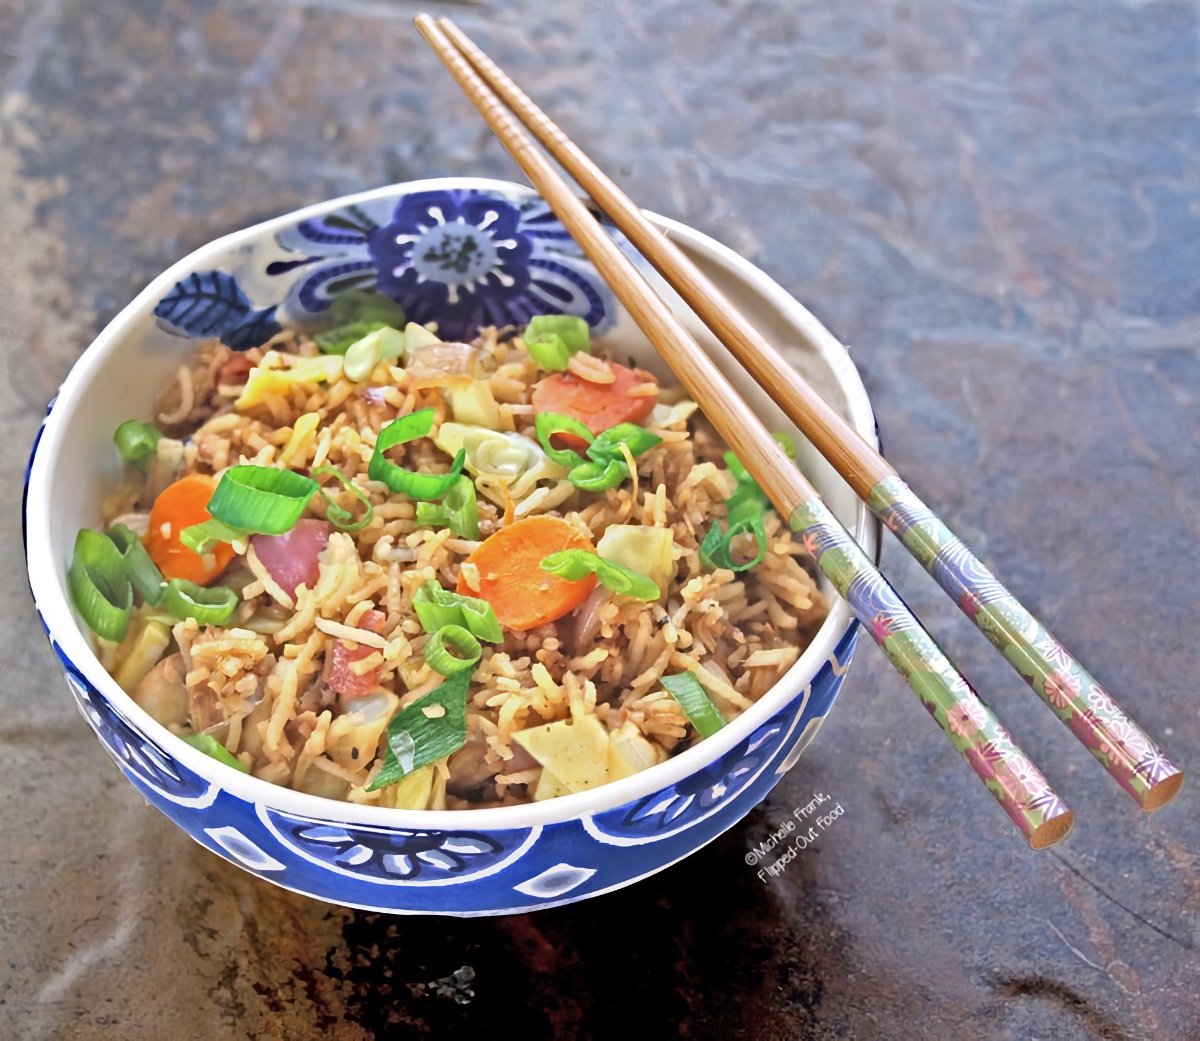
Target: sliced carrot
x,y
597,406
520,592
179,506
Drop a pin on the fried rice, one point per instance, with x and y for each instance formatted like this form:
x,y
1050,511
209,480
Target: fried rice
x,y
259,684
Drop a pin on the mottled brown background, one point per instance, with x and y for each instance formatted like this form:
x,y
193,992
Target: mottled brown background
x,y
996,203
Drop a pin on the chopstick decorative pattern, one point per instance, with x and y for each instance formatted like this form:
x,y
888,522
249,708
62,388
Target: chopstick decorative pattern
x,y
975,732
1134,760
1125,750
1013,780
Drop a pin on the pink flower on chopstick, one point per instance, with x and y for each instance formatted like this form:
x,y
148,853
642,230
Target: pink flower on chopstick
x,y
996,751
1061,689
966,718
970,604
882,627
812,543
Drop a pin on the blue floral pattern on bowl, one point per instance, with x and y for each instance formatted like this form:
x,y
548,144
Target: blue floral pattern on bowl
x,y
464,258
393,855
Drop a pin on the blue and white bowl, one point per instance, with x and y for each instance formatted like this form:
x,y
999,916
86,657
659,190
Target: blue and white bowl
x,y
466,252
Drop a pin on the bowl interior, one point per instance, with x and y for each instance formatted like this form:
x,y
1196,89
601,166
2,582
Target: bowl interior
x,y
118,376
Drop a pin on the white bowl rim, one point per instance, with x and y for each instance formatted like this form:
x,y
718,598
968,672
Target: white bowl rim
x,y
47,573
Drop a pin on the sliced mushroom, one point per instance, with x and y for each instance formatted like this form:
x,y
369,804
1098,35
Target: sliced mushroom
x,y
470,769
162,693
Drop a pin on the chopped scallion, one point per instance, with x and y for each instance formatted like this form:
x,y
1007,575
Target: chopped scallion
x,y
213,748
437,607
137,441
356,314
574,564
606,466
466,650
139,568
551,339
261,499
417,486
205,537
209,605
548,424
458,511
695,702
99,585
415,739
746,511
338,515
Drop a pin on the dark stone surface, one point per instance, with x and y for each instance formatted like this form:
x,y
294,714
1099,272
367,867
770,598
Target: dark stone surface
x,y
997,203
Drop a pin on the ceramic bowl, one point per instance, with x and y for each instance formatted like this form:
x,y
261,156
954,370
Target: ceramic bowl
x,y
466,252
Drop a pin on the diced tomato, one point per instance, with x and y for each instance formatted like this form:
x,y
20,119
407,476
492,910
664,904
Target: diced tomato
x,y
234,370
339,676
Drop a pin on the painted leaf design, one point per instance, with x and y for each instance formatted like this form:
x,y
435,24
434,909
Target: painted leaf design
x,y
211,303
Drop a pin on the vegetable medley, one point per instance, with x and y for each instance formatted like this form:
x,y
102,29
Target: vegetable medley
x,y
376,566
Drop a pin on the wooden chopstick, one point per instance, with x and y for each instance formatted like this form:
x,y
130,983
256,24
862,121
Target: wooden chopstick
x,y
1129,754
979,737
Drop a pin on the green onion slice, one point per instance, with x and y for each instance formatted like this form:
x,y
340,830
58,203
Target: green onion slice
x,y
209,605
261,499
608,444
437,607
574,564
356,314
596,477
417,486
458,511
415,739
99,584
716,551
467,650
605,466
337,515
137,441
213,748
205,537
746,511
695,702
551,339
139,568
548,424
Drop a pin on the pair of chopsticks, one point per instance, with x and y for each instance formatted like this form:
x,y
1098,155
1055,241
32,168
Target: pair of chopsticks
x,y
1136,762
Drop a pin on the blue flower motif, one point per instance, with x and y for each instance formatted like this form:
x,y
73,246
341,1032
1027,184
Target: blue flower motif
x,y
463,258
455,257
377,854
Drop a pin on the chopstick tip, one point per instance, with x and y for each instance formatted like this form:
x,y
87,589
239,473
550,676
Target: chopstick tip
x,y
1163,792
1053,831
